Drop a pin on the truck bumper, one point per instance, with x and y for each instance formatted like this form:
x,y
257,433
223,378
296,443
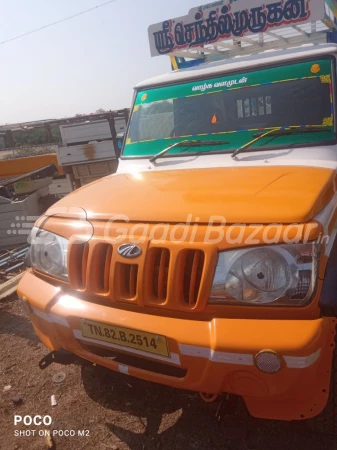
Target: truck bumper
x,y
207,356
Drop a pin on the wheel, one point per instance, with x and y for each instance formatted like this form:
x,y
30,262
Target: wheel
x,y
326,422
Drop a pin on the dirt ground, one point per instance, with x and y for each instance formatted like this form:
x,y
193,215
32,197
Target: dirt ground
x,y
116,411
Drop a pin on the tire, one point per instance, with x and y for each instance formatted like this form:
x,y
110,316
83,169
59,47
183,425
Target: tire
x,y
326,422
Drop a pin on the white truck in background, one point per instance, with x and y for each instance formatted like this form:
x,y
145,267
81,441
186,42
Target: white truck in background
x,y
90,151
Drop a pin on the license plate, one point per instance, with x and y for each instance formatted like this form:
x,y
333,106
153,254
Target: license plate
x,y
125,337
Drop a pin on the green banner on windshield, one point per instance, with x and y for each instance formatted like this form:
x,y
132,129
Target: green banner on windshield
x,y
147,144
257,78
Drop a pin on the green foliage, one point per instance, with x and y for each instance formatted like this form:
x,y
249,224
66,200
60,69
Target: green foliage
x,y
36,136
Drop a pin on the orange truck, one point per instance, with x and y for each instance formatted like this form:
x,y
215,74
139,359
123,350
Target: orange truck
x,y
209,261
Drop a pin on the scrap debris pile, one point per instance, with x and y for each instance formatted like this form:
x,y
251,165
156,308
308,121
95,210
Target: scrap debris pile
x,y
29,151
12,263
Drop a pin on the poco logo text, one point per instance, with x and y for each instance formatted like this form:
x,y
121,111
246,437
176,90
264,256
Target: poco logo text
x,y
32,420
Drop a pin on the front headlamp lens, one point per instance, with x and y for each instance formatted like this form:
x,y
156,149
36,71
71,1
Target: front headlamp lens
x,y
275,274
257,274
49,253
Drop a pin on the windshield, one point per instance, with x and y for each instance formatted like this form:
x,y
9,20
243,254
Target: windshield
x,y
234,108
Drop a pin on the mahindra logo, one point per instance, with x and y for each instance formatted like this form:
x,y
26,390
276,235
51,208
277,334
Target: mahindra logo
x,y
129,250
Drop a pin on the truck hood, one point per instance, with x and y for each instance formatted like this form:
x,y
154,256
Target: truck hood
x,y
243,194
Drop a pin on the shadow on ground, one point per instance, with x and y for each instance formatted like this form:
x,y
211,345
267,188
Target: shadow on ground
x,y
166,418
15,324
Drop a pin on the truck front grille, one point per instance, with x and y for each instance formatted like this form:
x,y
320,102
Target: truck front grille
x,y
161,277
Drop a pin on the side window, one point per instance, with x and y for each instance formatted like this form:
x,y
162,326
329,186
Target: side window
x,y
254,106
268,105
240,109
156,120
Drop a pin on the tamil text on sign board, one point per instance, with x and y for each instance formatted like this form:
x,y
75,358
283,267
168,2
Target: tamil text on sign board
x,y
231,19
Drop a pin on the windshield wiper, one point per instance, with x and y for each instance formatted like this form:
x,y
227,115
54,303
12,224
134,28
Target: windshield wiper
x,y
187,144
279,132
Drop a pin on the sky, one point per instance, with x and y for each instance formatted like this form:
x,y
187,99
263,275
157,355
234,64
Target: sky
x,y
81,65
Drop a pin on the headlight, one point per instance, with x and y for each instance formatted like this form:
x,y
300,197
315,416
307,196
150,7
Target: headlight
x,y
49,253
280,274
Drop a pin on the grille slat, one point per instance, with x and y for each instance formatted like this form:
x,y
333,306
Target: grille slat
x,y
79,252
107,267
126,279
101,265
84,264
162,286
159,273
131,280
192,273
